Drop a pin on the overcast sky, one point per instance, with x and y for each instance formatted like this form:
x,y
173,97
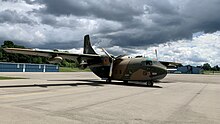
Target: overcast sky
x,y
186,31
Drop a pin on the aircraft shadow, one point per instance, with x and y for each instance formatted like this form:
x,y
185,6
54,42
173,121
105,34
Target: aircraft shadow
x,y
101,82
96,83
48,85
164,81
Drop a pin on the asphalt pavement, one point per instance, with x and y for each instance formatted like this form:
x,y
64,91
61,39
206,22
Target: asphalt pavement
x,y
81,98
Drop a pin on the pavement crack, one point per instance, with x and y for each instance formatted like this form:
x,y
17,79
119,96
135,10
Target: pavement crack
x,y
185,114
198,93
110,100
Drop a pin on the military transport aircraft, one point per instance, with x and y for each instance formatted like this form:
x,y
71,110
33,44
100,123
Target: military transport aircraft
x,y
106,66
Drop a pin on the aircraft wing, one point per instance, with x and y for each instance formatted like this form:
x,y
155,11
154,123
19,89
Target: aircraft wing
x,y
51,54
170,64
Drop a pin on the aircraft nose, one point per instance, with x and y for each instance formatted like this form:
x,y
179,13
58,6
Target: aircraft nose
x,y
161,73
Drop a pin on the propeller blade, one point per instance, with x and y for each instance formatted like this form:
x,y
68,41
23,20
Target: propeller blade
x,y
106,53
112,62
111,68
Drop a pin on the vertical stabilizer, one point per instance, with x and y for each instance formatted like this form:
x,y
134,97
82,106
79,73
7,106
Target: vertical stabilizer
x,y
87,46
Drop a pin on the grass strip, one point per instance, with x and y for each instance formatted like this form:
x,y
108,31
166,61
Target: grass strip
x,y
9,78
66,69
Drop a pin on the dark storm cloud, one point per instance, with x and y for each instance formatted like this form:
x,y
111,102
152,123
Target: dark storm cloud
x,y
57,45
123,23
48,19
106,9
168,20
9,16
53,21
203,15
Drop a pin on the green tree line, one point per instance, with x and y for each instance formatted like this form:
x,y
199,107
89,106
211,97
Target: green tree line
x,y
207,67
19,58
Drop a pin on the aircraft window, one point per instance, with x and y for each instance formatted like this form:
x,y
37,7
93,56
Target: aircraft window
x,y
148,62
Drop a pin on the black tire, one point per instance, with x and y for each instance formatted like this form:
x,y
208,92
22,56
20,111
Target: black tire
x,y
125,82
108,81
150,83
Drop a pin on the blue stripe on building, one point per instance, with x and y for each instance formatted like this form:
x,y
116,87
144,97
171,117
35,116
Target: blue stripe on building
x,y
27,67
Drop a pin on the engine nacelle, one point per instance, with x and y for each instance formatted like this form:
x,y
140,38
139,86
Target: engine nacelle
x,y
56,59
105,61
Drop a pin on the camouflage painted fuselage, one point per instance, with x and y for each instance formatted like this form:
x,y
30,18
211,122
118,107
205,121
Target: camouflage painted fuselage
x,y
131,69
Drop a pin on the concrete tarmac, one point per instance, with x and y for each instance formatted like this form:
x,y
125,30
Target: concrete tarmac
x,y
81,98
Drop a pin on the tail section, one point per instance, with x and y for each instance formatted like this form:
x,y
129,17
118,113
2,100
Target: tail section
x,y
87,46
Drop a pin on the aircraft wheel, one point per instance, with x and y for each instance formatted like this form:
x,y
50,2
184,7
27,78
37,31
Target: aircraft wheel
x,y
150,83
125,82
108,81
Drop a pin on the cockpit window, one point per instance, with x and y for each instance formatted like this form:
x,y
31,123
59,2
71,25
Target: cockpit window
x,y
148,62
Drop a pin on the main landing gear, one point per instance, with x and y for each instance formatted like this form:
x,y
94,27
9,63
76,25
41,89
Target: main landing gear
x,y
125,82
108,80
150,83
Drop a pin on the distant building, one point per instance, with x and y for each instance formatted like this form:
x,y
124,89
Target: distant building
x,y
188,69
27,67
